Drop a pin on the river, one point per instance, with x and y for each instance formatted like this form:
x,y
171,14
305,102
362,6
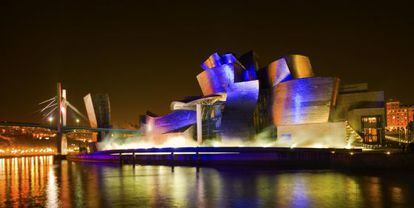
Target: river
x,y
42,182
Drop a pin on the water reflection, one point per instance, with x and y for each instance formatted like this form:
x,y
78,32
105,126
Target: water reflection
x,y
38,182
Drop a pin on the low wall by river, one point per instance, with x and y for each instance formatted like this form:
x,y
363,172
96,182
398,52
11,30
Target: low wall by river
x,y
304,158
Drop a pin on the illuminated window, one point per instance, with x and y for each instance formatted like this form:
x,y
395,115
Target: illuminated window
x,y
371,128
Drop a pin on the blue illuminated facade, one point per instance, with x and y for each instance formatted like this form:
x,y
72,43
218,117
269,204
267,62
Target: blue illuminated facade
x,y
173,121
239,99
238,112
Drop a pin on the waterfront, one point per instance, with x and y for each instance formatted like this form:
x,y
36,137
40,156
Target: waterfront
x,y
38,182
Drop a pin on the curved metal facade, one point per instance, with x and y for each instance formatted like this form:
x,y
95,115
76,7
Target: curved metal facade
x,y
170,122
212,61
288,68
237,121
299,66
301,101
239,99
216,80
220,72
278,71
225,74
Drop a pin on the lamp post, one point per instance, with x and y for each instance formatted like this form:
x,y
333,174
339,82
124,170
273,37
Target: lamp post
x,y
77,121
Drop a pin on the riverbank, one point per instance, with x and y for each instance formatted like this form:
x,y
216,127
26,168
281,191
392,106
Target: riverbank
x,y
303,158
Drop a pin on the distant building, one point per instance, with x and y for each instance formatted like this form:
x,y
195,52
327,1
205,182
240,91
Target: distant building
x,y
398,116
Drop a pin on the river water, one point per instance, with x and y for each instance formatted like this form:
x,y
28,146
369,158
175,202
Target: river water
x,y
41,182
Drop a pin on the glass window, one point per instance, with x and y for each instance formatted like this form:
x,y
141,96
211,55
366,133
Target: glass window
x,y
371,127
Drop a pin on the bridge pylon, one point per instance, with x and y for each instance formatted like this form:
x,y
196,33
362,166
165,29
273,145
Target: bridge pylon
x,y
61,140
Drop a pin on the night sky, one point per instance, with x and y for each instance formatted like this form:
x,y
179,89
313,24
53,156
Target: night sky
x,y
147,54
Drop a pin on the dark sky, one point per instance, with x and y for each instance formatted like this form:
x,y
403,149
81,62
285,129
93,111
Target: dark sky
x,y
145,54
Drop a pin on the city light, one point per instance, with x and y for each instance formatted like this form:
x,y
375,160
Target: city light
x,y
50,119
22,151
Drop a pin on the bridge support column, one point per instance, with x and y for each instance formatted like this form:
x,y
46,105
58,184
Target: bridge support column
x,y
61,141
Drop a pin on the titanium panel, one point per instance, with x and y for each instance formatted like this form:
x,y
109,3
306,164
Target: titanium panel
x,y
170,122
278,71
304,101
228,58
216,80
99,110
299,66
251,65
214,60
90,111
237,118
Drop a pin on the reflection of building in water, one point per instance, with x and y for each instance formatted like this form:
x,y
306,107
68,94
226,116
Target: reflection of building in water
x,y
284,98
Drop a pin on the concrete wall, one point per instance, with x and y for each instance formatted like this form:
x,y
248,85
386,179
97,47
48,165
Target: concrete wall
x,y
313,135
350,101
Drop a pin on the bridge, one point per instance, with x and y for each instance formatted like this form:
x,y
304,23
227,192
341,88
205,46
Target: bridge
x,y
68,128
55,111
